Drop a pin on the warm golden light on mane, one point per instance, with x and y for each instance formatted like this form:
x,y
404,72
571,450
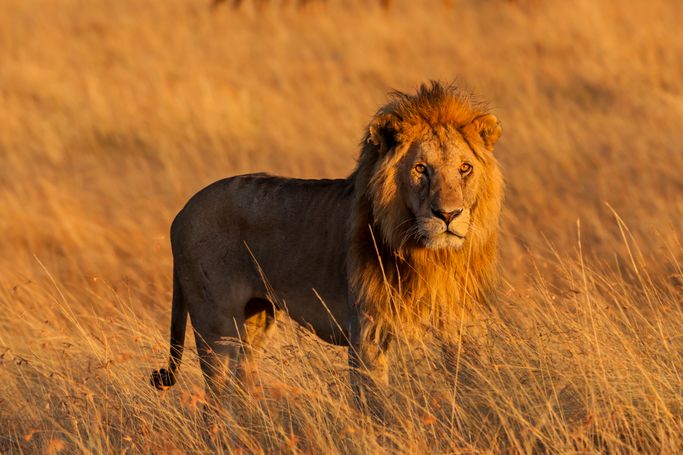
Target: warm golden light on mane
x,y
435,105
415,285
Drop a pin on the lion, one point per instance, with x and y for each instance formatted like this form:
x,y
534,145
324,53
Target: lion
x,y
408,239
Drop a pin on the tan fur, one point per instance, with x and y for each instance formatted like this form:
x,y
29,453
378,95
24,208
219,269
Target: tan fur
x,y
408,239
419,286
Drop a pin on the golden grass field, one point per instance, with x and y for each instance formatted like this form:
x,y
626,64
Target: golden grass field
x,y
112,114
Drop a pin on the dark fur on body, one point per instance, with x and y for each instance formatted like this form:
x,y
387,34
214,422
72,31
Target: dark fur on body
x,y
354,259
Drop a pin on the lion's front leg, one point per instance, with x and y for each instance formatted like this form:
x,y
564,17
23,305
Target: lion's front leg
x,y
369,371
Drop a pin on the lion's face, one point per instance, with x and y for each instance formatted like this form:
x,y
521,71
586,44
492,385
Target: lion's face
x,y
430,177
439,180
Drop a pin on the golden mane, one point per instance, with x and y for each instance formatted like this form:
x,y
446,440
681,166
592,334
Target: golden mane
x,y
432,106
415,286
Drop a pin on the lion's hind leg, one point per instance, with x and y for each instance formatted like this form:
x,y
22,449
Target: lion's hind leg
x,y
217,356
228,355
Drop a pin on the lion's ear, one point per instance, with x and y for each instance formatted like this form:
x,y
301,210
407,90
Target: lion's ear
x,y
487,127
383,131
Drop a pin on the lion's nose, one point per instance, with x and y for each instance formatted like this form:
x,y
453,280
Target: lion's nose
x,y
446,216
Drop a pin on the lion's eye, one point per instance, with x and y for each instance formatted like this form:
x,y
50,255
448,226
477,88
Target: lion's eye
x,y
420,168
465,168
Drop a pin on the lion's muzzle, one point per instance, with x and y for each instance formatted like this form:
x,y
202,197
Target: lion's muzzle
x,y
445,215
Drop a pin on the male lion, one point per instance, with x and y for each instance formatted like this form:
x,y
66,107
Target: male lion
x,y
406,239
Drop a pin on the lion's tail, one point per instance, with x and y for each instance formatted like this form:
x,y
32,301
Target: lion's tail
x,y
164,378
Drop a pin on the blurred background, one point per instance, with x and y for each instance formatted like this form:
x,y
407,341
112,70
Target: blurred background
x,y
113,113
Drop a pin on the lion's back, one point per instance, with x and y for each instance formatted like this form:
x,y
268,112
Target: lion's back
x,y
260,204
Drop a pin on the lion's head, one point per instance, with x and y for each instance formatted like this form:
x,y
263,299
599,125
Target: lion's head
x,y
429,186
433,166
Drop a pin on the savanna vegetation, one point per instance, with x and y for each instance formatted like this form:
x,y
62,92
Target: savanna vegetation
x,y
113,113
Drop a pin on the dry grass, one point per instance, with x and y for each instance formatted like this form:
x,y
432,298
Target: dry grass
x,y
113,113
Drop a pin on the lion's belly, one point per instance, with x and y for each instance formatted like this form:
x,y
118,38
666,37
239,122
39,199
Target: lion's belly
x,y
316,299
322,316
